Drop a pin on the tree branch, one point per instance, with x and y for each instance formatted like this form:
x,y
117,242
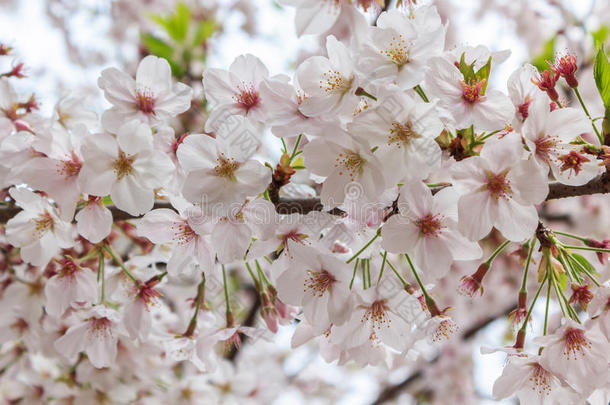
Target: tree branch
x,y
599,185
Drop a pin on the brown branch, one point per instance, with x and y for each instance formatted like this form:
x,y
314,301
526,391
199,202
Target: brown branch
x,y
599,185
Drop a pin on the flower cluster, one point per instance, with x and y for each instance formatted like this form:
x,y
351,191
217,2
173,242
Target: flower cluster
x,y
131,244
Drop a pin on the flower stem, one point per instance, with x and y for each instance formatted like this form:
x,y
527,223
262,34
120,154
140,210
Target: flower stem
x,y
594,249
199,299
402,280
351,283
101,275
421,93
365,246
571,235
497,252
120,263
546,310
529,312
421,285
254,279
294,151
599,136
527,263
385,257
224,283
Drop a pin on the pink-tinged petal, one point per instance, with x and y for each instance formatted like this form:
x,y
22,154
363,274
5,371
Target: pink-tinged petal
x,y
72,342
334,189
474,215
119,88
319,156
262,217
469,174
154,75
160,226
40,252
101,347
399,235
134,137
415,199
249,69
433,257
219,85
493,113
514,377
316,18
529,181
567,123
231,240
129,196
460,247
501,153
94,222
176,102
197,151
515,221
137,319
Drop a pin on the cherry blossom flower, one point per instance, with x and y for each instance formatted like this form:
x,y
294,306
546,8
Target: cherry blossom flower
x,y
577,354
95,335
548,134
151,98
379,317
188,232
349,167
400,46
329,83
499,188
427,228
137,316
467,102
37,230
72,284
70,113
526,378
220,172
320,284
57,173
126,167
282,102
315,17
94,220
236,91
522,92
404,138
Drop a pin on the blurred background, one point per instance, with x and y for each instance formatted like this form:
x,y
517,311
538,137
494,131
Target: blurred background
x,y
64,44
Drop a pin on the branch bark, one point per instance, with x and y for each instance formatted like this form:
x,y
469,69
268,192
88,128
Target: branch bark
x,y
599,185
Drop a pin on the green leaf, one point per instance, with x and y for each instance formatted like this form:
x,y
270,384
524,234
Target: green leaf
x,y
298,162
601,73
562,281
548,53
467,70
584,262
483,74
204,30
157,46
107,200
600,36
177,24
